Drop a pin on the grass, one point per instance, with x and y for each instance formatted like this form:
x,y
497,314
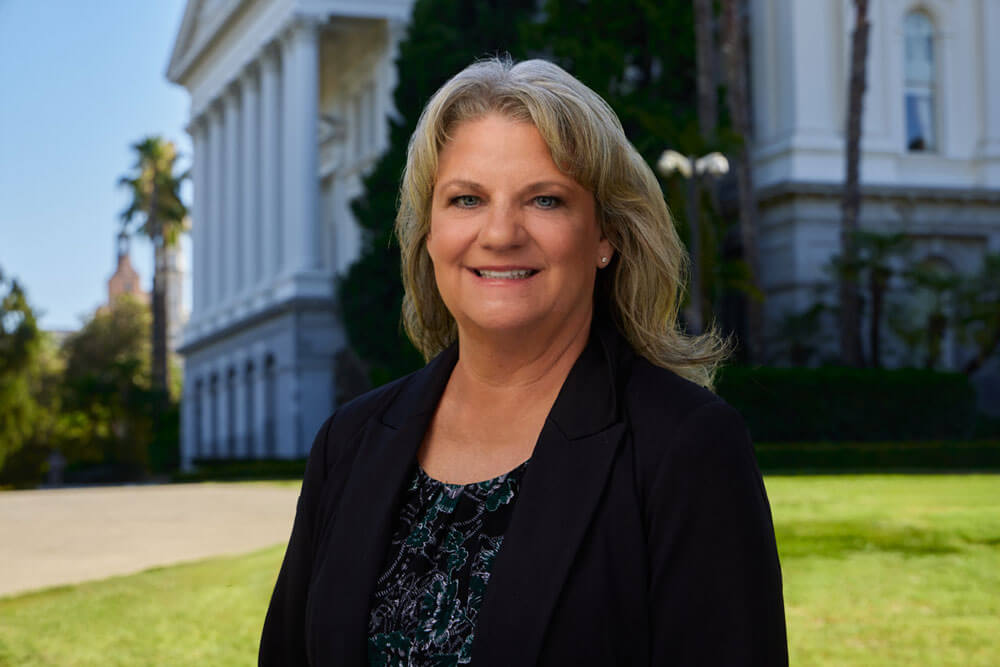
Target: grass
x,y
204,613
890,570
879,570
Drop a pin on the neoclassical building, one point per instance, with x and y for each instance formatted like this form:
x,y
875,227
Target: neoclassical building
x,y
288,106
930,152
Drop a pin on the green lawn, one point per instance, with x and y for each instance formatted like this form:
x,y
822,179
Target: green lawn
x,y
879,570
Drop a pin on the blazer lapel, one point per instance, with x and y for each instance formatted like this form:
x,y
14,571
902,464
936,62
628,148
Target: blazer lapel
x,y
559,493
356,545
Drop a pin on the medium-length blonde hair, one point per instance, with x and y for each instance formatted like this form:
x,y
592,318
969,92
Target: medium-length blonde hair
x,y
640,289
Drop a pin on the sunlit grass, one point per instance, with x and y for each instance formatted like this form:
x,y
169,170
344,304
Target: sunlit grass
x,y
205,613
890,570
879,570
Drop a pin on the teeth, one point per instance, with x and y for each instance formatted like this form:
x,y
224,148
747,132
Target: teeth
x,y
517,274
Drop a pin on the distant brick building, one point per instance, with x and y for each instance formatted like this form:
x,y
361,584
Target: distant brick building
x,y
125,279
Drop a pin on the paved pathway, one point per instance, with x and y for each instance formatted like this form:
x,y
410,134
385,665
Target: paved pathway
x,y
63,536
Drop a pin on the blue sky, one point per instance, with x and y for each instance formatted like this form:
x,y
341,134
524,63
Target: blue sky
x,y
80,81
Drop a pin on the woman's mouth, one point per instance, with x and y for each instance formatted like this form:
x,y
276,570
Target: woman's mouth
x,y
507,274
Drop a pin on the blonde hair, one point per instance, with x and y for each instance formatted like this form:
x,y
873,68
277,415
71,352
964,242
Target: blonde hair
x,y
641,287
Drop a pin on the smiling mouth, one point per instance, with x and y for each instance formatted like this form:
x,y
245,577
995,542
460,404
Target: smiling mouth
x,y
512,274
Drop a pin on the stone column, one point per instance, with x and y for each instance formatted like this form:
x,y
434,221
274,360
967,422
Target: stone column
x,y
213,233
226,416
210,426
989,145
250,223
188,424
199,145
270,163
300,164
238,417
231,174
260,407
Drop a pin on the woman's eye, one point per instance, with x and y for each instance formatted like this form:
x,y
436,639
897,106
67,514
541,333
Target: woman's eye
x,y
465,201
546,201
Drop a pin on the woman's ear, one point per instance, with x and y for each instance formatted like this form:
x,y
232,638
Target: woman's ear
x,y
605,253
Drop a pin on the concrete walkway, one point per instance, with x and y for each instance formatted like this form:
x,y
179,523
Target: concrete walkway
x,y
64,536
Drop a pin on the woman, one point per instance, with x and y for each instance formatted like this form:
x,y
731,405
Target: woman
x,y
558,486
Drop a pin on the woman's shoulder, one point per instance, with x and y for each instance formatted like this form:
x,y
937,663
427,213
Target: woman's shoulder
x,y
669,414
352,415
660,395
679,428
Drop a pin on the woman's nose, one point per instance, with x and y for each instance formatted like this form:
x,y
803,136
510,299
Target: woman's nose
x,y
503,226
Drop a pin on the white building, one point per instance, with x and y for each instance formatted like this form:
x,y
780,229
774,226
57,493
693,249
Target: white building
x,y
288,106
930,135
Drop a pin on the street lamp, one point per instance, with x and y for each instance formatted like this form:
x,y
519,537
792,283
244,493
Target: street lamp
x,y
692,168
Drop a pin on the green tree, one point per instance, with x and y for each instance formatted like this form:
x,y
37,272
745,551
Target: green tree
x,y
157,212
109,402
20,340
443,37
26,467
736,56
872,267
978,312
640,56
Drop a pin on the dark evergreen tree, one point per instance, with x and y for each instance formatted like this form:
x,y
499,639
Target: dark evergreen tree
x,y
443,37
639,55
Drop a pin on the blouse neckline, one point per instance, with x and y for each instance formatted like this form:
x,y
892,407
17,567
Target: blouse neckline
x,y
486,482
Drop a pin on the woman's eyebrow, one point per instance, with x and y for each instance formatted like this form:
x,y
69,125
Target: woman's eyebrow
x,y
531,188
461,183
546,185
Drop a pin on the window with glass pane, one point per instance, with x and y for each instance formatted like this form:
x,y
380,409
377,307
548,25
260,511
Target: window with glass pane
x,y
918,38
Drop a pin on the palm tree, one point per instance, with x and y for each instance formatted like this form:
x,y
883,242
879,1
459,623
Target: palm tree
x,y
734,48
850,328
156,204
705,61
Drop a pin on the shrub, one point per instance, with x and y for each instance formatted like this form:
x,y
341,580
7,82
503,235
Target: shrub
x,y
849,404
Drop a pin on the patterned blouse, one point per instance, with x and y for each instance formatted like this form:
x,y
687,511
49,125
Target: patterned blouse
x,y
437,569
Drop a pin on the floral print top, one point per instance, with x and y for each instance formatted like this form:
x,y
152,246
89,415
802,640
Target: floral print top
x,y
437,569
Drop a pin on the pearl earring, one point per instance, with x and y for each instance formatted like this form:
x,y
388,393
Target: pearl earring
x,y
603,260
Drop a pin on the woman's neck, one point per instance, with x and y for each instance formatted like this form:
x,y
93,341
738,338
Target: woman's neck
x,y
496,401
491,363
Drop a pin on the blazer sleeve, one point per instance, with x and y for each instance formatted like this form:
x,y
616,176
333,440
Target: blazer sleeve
x,y
715,581
283,638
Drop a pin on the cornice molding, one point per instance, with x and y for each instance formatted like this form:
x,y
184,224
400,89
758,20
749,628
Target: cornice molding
x,y
972,195
186,49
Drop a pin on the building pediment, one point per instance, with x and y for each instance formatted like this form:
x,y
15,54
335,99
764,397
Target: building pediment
x,y
203,20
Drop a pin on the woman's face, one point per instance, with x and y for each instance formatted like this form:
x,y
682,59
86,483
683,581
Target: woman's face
x,y
514,242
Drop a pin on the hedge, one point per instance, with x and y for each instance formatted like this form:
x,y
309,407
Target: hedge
x,y
920,456
232,470
850,404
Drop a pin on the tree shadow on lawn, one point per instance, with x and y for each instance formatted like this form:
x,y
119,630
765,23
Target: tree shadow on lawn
x,y
838,539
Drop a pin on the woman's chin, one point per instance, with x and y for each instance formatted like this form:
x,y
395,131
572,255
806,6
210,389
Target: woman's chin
x,y
524,326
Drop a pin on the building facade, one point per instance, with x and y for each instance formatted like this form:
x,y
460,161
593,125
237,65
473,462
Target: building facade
x,y
288,106
930,147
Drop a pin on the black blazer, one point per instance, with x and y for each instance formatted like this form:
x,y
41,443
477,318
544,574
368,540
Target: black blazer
x,y
641,533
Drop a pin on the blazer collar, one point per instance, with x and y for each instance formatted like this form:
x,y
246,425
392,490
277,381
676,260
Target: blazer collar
x,y
561,487
559,493
587,402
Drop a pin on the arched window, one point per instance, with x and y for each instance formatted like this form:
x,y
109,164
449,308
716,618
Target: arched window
x,y
918,57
